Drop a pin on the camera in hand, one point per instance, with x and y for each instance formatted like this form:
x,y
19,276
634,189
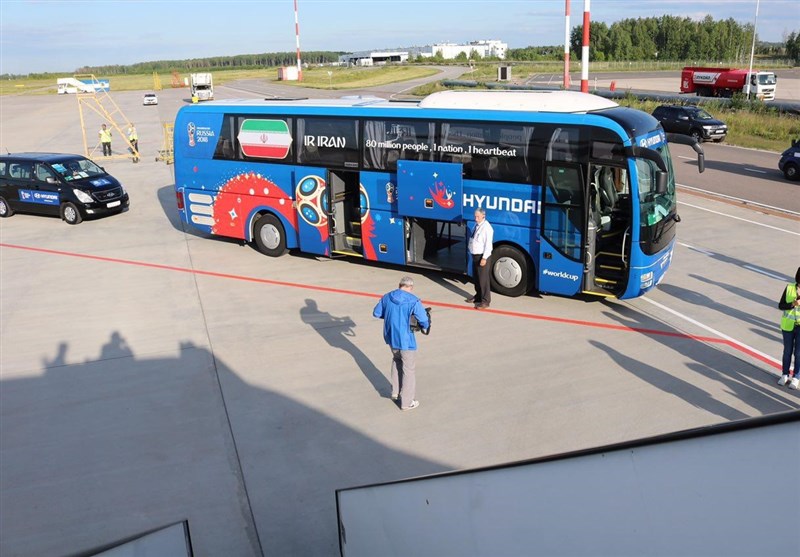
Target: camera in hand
x,y
415,328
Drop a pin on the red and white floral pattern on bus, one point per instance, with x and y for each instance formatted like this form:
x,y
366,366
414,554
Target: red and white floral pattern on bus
x,y
240,196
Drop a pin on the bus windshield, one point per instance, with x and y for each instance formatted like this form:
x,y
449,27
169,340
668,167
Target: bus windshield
x,y
654,206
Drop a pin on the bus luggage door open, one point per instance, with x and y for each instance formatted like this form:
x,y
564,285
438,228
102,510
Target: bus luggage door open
x,y
429,198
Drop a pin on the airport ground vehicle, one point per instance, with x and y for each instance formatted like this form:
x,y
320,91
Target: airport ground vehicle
x,y
724,82
202,86
150,99
70,186
71,85
691,120
580,191
789,162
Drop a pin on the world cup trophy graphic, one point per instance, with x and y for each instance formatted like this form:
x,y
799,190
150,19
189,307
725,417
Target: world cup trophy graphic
x,y
190,129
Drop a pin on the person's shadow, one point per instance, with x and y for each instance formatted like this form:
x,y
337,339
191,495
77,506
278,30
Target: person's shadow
x,y
337,332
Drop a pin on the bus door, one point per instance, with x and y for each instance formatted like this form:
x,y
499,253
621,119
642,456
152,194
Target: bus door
x,y
344,213
561,254
429,198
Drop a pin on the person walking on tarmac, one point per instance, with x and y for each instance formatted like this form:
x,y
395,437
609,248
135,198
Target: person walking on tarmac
x,y
396,309
790,327
105,140
133,138
480,247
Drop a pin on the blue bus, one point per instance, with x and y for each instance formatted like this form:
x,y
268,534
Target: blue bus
x,y
580,191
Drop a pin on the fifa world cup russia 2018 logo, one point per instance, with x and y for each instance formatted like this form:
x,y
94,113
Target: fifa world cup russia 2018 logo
x,y
190,129
389,192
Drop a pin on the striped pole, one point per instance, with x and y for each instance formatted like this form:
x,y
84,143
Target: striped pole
x,y
566,47
297,38
585,49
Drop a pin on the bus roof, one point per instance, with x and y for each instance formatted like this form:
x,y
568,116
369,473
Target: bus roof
x,y
528,101
571,102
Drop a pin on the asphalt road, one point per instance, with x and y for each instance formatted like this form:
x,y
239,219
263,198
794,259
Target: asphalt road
x,y
150,375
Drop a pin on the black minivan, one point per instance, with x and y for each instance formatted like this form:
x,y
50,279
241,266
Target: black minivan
x,y
69,186
690,120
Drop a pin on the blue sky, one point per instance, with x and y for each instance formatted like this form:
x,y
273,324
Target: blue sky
x,y
62,35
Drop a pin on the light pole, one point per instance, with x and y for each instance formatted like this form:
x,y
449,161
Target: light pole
x,y
752,52
330,80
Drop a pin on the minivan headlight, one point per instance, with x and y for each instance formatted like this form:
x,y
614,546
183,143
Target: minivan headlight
x,y
82,196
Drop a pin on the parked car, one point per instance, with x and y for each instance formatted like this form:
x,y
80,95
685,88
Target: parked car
x,y
150,98
70,186
790,161
691,120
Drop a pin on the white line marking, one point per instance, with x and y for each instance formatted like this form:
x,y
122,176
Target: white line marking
x,y
701,250
687,158
710,330
741,200
754,170
741,219
770,275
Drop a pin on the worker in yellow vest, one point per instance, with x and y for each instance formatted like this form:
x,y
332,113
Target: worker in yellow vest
x,y
105,140
133,138
790,327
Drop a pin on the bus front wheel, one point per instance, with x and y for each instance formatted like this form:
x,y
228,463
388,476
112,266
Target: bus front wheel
x,y
510,272
270,236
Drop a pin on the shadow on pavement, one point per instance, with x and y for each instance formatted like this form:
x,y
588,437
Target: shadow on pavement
x,y
95,451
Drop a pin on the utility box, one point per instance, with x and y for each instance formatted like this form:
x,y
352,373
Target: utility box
x,y
288,73
503,73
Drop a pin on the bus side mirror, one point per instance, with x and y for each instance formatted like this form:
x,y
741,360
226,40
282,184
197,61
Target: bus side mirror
x,y
661,182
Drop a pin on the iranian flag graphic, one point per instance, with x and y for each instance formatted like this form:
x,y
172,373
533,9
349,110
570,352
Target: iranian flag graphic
x,y
265,139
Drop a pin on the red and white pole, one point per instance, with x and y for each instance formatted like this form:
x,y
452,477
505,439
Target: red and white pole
x,y
566,47
585,49
297,38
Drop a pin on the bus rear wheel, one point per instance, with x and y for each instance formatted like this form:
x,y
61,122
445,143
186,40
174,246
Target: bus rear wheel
x,y
269,235
510,272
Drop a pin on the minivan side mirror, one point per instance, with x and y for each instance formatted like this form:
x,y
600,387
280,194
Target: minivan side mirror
x,y
683,117
51,180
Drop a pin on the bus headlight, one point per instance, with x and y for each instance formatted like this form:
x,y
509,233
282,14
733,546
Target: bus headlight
x,y
82,196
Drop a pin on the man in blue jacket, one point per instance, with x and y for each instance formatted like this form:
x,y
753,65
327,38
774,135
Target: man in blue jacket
x,y
396,309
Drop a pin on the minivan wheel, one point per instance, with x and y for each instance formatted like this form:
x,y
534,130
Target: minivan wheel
x,y
696,134
70,213
5,209
790,172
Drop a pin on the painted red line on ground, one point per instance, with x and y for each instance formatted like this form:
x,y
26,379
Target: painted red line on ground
x,y
318,288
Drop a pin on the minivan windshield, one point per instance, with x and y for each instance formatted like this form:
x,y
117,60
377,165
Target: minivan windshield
x,y
77,169
700,114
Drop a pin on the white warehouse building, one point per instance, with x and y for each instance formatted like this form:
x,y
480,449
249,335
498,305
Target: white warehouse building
x,y
448,51
483,49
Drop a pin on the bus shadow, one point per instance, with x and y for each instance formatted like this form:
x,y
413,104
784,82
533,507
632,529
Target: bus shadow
x,y
749,383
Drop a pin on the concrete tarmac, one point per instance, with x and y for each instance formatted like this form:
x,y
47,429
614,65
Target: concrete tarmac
x,y
150,375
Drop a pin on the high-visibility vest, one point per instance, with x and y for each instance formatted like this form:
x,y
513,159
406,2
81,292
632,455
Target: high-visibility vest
x,y
791,317
105,136
132,134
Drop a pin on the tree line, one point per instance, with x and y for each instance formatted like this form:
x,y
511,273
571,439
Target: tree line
x,y
677,39
238,61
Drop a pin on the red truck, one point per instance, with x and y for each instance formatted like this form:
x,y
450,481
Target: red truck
x,y
724,82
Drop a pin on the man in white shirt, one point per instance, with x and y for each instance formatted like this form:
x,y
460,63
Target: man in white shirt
x,y
480,247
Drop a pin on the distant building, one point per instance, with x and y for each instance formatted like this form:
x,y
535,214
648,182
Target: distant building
x,y
448,51
373,57
483,49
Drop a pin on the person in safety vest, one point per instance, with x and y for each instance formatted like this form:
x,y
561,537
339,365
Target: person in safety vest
x,y
396,309
790,327
133,138
105,140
